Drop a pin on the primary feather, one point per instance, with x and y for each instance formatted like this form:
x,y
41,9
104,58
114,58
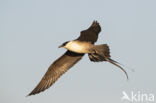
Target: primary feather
x,y
59,67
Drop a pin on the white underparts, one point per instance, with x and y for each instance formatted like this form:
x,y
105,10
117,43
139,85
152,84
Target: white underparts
x,y
78,47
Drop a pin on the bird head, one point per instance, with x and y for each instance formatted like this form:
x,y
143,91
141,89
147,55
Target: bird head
x,y
64,44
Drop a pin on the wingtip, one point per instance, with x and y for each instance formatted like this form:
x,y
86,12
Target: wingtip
x,y
95,23
33,93
95,26
29,94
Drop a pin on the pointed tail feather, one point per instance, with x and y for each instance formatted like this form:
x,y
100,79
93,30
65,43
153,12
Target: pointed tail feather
x,y
115,63
102,53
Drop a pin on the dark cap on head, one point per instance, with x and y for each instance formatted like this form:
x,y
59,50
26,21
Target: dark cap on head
x,y
63,44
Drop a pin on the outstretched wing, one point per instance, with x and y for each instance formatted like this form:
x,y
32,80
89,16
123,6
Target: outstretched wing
x,y
59,67
91,34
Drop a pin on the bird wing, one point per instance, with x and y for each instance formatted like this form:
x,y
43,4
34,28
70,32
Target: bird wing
x,y
91,34
59,67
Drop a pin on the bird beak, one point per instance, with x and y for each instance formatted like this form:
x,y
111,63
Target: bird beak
x,y
60,46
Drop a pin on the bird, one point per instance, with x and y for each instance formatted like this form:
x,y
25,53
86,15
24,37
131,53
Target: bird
x,y
76,49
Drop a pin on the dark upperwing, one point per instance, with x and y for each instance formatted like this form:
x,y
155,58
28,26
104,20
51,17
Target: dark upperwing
x,y
91,34
59,67
66,61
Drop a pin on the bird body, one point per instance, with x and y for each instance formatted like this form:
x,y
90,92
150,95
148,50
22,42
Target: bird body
x,y
76,49
79,47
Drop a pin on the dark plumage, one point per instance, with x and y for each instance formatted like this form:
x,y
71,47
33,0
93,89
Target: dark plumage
x,y
67,60
91,34
59,67
83,44
95,57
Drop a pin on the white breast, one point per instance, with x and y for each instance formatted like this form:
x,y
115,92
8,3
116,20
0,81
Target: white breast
x,y
77,47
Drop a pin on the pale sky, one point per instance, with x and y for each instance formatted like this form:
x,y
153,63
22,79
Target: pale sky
x,y
32,30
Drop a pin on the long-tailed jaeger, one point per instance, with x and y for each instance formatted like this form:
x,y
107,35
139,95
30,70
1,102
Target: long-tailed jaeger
x,y
75,51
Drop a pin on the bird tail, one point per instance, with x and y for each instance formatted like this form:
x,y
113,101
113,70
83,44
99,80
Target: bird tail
x,y
100,50
102,53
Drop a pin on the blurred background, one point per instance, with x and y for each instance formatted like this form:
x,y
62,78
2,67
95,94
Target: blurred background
x,y
32,30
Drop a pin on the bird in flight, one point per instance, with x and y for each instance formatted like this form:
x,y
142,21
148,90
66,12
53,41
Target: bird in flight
x,y
76,49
